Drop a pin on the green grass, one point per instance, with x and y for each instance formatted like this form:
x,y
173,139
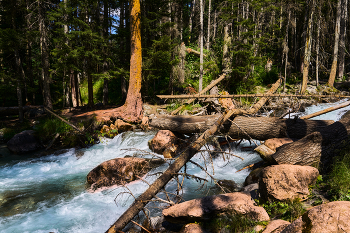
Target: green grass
x,y
339,178
289,210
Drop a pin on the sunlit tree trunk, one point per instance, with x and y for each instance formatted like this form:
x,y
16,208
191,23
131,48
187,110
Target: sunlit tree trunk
x,y
132,109
336,46
286,51
308,47
209,24
318,44
342,48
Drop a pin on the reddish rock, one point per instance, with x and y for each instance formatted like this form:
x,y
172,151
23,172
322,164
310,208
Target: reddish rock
x,y
105,129
192,228
117,171
204,208
162,140
276,226
274,143
286,182
330,217
122,126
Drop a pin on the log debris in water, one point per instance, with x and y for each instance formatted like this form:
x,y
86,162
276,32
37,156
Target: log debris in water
x,y
260,128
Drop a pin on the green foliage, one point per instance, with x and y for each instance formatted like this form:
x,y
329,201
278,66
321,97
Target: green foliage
x,y
339,178
49,126
288,211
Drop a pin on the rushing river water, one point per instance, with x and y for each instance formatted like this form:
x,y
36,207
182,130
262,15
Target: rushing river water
x,y
48,194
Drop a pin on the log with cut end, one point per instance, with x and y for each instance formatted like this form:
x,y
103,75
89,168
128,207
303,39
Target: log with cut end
x,y
260,128
315,147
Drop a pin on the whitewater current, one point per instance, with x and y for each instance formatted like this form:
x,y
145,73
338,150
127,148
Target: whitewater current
x,y
48,194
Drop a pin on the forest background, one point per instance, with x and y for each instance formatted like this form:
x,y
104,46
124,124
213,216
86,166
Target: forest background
x,y
77,52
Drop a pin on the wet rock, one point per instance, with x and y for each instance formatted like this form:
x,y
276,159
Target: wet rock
x,y
252,190
228,185
162,140
202,209
122,126
117,171
24,142
193,228
253,176
286,182
330,217
276,226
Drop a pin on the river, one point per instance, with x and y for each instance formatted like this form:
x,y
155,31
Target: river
x,y
48,194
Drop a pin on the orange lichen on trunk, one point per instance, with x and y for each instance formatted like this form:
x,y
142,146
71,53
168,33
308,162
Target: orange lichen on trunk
x,y
132,109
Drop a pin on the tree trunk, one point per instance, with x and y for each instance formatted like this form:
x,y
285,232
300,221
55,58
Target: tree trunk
x,y
226,58
200,85
260,128
342,39
318,44
286,51
193,9
336,46
209,24
44,56
73,85
105,64
308,47
316,148
19,86
132,109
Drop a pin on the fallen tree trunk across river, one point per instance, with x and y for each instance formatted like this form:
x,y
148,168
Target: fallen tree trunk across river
x,y
260,128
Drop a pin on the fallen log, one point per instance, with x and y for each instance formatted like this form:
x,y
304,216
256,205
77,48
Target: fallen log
x,y
260,128
11,111
324,111
54,114
316,148
211,85
174,168
251,96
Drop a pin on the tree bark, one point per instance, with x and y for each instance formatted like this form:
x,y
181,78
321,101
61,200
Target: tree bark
x,y
342,39
226,58
132,109
44,56
200,85
209,24
260,128
308,47
318,44
316,148
336,46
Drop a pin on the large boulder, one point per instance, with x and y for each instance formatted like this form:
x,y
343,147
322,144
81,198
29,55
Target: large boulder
x,y
286,182
330,217
202,209
276,226
117,171
24,142
164,141
122,126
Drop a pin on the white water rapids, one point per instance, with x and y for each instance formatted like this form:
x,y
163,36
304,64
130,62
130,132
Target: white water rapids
x,y
48,194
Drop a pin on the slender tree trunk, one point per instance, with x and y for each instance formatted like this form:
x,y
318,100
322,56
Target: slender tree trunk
x,y
308,46
209,23
200,86
342,39
105,64
318,44
226,59
73,85
192,15
44,57
336,46
19,86
286,51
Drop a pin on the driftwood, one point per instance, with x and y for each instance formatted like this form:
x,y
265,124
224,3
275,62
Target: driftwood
x,y
260,128
211,85
315,148
324,111
200,96
174,168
